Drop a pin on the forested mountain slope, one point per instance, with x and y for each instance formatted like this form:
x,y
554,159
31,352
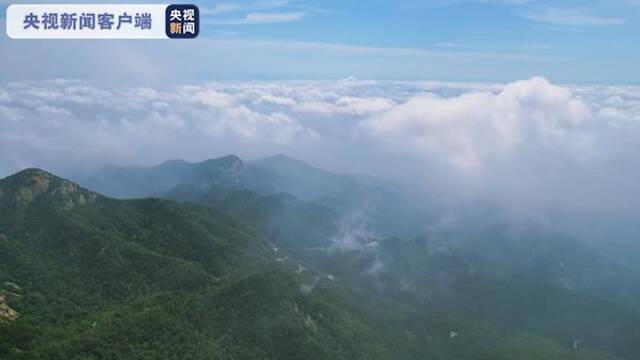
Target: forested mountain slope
x,y
84,276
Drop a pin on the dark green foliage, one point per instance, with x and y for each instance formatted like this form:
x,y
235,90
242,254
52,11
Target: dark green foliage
x,y
513,281
153,279
97,278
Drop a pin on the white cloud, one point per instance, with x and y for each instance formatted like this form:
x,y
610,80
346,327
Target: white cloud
x,y
572,18
146,63
259,12
4,96
275,100
364,106
230,7
85,124
447,45
471,130
259,18
346,105
214,98
524,142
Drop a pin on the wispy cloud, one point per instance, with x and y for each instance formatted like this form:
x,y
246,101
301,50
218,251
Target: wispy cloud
x,y
258,12
448,45
508,2
630,2
231,7
226,32
259,18
571,18
308,46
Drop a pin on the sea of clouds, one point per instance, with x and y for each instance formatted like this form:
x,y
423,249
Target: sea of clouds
x,y
527,142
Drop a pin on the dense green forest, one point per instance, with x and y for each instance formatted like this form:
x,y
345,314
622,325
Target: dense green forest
x,y
230,265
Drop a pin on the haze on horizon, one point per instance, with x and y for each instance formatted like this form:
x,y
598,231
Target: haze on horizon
x,y
528,144
514,102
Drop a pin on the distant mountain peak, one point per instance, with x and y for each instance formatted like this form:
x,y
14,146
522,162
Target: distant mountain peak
x,y
231,157
229,164
283,160
31,185
282,157
32,172
174,162
34,179
231,161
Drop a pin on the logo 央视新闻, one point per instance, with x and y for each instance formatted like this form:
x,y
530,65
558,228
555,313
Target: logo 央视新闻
x,y
182,21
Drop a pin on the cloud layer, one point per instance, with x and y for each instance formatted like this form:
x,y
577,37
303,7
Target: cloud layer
x,y
477,128
528,142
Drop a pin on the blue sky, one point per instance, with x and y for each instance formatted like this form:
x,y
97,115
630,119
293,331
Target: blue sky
x,y
592,41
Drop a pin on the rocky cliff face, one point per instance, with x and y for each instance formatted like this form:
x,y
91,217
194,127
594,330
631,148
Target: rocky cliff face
x,y
6,312
33,185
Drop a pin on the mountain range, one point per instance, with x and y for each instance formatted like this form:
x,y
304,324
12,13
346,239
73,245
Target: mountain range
x,y
276,259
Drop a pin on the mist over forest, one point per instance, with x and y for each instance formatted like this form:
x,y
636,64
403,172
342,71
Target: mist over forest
x,y
561,155
344,180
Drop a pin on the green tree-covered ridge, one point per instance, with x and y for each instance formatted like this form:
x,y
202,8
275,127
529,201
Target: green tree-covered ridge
x,y
91,277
